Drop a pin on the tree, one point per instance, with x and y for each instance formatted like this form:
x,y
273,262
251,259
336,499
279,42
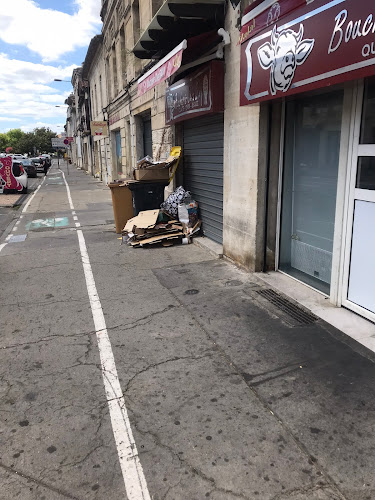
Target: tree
x,y
26,143
3,142
14,136
42,139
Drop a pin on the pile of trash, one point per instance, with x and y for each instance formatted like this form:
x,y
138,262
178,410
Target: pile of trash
x,y
177,220
150,169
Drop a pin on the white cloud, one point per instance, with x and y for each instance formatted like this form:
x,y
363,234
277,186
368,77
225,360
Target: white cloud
x,y
49,33
26,93
7,119
55,127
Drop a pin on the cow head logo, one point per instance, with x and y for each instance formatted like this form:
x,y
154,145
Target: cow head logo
x,y
286,51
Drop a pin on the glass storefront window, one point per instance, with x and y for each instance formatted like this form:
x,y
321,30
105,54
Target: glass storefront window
x,y
311,159
368,114
366,172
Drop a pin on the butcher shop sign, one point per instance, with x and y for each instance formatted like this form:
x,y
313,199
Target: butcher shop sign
x,y
293,46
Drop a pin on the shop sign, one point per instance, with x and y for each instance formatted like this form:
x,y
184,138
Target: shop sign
x,y
99,128
319,44
266,14
163,70
201,93
113,119
6,174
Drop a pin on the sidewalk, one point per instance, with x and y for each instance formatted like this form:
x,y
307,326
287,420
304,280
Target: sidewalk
x,y
229,396
10,200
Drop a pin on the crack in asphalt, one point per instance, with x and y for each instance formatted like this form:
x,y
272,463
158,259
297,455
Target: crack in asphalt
x,y
149,367
227,359
192,468
39,482
285,495
49,338
47,303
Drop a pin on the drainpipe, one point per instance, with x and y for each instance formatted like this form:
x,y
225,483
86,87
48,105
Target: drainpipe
x,y
266,186
132,128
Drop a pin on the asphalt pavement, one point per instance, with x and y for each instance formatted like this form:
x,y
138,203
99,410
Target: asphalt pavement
x,y
165,373
9,211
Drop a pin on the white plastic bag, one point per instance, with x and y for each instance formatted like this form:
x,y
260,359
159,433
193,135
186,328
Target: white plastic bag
x,y
183,214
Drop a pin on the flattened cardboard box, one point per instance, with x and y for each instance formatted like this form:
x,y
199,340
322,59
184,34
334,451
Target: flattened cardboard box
x,y
143,220
152,174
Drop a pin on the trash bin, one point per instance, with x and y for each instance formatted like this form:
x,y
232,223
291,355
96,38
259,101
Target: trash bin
x,y
122,204
147,195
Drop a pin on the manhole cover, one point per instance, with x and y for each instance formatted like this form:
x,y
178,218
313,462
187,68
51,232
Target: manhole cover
x,y
193,291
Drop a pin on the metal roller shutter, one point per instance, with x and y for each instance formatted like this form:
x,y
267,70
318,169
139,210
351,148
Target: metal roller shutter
x,y
203,170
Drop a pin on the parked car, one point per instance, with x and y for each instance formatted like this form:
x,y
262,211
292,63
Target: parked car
x,y
30,167
38,162
19,173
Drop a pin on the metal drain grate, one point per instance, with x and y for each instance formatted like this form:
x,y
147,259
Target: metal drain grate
x,y
297,313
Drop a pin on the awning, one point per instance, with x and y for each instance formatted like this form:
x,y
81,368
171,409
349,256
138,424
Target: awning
x,y
176,21
162,70
189,53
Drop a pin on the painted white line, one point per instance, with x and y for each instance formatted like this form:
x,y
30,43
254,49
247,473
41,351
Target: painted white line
x,y
14,229
17,223
78,224
73,212
134,479
21,216
8,237
75,217
32,196
3,245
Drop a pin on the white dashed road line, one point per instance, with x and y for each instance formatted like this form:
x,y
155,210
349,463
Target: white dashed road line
x,y
134,479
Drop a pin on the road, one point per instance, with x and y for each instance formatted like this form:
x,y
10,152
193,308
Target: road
x,y
7,214
164,373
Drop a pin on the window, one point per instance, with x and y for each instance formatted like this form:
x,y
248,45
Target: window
x,y
123,57
114,71
96,101
92,103
100,92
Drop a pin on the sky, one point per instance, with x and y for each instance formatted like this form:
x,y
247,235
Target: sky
x,y
40,41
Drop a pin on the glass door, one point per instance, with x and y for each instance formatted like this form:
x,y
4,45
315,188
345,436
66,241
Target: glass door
x,y
309,187
359,278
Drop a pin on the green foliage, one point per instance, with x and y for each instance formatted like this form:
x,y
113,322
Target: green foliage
x,y
21,142
3,142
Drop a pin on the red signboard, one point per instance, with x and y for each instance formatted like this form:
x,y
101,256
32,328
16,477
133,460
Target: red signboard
x,y
319,44
200,93
6,173
163,70
266,14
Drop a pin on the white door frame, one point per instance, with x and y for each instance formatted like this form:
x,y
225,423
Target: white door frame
x,y
354,193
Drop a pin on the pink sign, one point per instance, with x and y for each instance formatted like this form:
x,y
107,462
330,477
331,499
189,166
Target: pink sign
x,y
160,73
6,173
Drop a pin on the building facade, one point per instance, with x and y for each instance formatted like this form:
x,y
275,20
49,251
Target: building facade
x,y
273,105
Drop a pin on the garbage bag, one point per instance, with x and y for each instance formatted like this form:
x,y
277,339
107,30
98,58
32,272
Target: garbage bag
x,y
170,205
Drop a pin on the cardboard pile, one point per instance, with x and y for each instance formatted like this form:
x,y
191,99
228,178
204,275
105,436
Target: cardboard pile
x,y
144,229
150,170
